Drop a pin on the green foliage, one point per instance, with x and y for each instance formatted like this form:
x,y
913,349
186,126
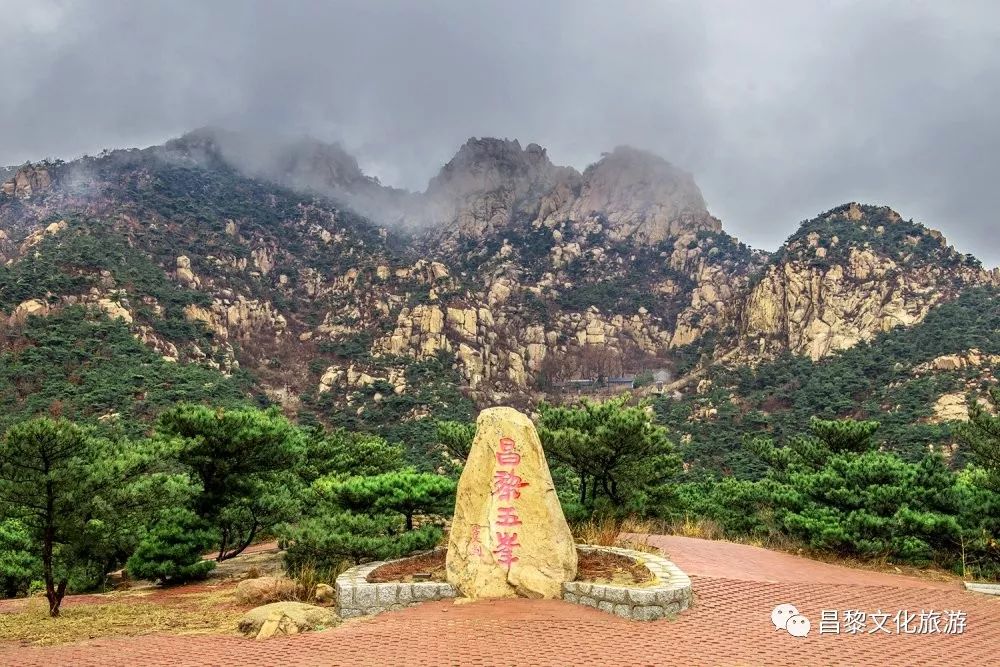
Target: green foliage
x,y
456,438
71,262
879,229
342,453
403,492
81,498
19,562
358,518
844,436
171,552
245,460
324,540
352,347
620,456
88,366
873,380
738,506
981,434
644,379
873,504
433,391
616,296
980,519
832,490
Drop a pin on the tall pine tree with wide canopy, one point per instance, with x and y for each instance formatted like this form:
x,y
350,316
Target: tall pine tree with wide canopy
x,y
246,460
80,497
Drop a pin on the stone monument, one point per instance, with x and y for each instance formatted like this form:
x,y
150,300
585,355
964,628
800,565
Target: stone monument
x,y
509,537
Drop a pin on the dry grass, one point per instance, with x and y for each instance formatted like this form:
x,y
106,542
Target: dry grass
x,y
607,531
194,614
705,529
708,529
880,564
600,531
309,576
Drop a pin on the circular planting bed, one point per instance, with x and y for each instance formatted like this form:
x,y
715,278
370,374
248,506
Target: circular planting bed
x,y
632,584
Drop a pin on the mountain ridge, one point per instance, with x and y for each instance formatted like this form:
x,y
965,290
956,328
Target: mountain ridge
x,y
533,275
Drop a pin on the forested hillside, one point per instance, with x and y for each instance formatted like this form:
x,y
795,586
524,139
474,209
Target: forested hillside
x,y
196,352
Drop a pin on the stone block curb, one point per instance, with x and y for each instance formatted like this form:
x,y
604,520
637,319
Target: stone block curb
x,y
357,597
667,595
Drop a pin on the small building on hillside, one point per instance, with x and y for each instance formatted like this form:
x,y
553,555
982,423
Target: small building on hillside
x,y
622,381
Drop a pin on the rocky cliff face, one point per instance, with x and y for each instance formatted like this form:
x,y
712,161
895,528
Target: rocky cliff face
x,y
492,185
26,181
522,273
850,274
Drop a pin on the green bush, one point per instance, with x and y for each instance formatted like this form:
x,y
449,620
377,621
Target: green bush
x,y
621,458
19,564
325,540
171,552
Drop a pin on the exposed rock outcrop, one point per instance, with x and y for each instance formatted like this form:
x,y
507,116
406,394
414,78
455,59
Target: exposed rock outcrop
x,y
27,181
508,537
814,303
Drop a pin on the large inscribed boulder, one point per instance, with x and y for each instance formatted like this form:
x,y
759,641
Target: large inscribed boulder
x,y
509,537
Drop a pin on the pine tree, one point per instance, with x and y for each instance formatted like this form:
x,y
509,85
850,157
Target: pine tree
x,y
404,492
246,461
172,550
326,539
981,434
18,562
343,453
80,497
456,438
616,450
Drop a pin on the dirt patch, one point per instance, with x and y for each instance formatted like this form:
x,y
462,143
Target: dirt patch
x,y
120,616
260,560
425,567
602,567
598,567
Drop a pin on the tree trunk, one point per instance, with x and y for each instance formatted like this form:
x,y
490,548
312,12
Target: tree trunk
x,y
409,521
232,554
223,545
53,595
611,488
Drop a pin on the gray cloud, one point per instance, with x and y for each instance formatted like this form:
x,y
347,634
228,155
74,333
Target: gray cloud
x,y
780,109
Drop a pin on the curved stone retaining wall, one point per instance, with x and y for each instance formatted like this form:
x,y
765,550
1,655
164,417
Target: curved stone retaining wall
x,y
667,595
357,597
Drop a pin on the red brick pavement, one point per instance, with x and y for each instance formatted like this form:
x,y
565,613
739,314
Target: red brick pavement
x,y
729,625
728,560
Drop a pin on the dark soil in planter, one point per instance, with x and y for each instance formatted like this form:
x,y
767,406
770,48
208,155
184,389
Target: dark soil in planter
x,y
598,567
409,569
602,567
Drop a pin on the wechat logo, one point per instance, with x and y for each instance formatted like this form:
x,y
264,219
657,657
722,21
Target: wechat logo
x,y
786,617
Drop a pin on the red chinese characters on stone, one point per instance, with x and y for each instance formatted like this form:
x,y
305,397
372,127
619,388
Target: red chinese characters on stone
x,y
505,548
507,456
507,516
475,546
507,485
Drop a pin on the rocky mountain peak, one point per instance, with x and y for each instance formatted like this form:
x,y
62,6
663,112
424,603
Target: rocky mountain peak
x,y
643,196
487,184
849,274
488,164
632,194
302,163
26,181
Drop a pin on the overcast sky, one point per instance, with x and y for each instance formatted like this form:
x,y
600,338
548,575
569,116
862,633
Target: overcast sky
x,y
779,109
